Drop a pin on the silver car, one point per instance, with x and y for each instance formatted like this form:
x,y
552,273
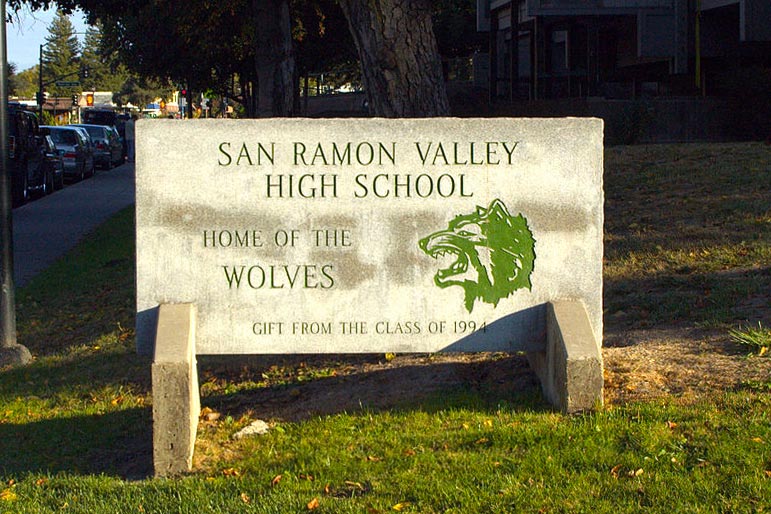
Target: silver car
x,y
108,146
75,150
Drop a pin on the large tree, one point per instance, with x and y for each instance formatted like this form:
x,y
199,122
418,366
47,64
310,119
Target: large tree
x,y
206,48
105,71
61,54
140,92
274,58
401,66
24,83
395,41
322,40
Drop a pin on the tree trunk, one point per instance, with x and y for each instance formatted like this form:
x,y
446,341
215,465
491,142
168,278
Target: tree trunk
x,y
274,59
401,66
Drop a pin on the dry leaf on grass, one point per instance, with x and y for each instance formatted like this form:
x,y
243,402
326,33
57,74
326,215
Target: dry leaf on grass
x,y
208,415
7,495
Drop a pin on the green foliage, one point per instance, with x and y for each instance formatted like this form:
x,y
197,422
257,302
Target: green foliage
x,y
756,340
455,28
106,72
24,83
63,58
48,119
323,43
138,91
169,42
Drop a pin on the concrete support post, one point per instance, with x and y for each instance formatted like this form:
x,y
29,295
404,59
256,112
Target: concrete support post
x,y
176,398
570,369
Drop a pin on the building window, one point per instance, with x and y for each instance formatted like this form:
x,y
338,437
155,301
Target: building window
x,y
559,51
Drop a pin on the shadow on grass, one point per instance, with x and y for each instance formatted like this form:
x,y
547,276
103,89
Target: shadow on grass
x,y
79,374
62,434
119,443
688,298
479,384
116,443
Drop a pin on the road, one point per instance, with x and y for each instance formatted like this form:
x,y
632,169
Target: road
x,y
45,229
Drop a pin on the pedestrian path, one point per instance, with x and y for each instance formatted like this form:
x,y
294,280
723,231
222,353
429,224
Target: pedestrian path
x,y
45,229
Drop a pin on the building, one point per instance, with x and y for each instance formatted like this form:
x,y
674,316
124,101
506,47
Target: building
x,y
619,48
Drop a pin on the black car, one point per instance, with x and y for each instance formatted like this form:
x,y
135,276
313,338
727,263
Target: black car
x,y
55,163
95,116
26,153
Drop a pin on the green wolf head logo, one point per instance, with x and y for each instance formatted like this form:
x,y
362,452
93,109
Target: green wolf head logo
x,y
494,254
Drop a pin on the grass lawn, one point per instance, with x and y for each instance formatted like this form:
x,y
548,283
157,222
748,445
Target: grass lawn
x,y
688,247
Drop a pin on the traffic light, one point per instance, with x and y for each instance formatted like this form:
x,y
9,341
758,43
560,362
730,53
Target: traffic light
x,y
39,97
89,99
84,72
183,92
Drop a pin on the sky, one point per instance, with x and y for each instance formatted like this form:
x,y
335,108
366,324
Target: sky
x,y
29,30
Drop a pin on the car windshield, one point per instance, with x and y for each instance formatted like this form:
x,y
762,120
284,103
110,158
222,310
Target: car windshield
x,y
99,117
65,137
96,132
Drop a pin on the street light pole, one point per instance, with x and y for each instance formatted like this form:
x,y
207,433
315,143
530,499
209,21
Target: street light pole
x,y
40,85
10,351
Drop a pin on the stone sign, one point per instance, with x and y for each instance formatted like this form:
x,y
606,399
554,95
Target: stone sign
x,y
368,235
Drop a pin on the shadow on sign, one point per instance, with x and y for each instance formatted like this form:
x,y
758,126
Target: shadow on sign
x,y
522,331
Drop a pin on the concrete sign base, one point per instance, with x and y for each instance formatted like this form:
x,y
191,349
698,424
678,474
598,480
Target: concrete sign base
x,y
570,370
176,398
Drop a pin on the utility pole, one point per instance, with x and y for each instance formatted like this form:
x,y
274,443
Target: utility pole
x,y
10,351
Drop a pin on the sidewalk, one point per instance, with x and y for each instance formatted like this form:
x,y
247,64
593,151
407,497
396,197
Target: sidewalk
x,y
45,229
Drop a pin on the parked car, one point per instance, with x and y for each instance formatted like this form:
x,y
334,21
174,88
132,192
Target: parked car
x,y
91,146
26,153
108,148
55,164
75,150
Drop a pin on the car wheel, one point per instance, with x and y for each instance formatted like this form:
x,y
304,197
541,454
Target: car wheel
x,y
26,192
59,184
82,175
20,191
50,185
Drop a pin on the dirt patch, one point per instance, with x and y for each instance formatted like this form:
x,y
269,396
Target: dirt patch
x,y
655,363
366,382
639,365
